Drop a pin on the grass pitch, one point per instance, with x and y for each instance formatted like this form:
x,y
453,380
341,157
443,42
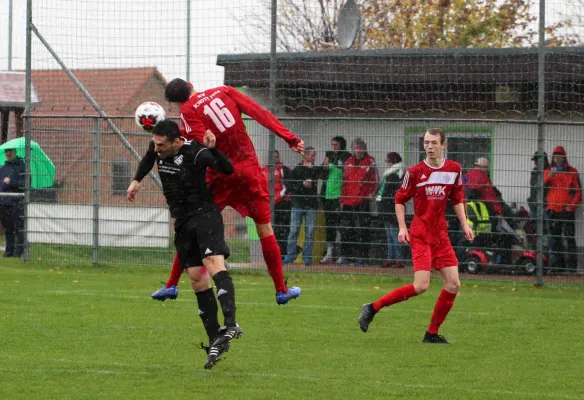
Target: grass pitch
x,y
83,332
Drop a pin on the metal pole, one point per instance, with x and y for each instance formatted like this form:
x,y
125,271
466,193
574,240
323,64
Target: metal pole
x,y
89,98
96,159
540,141
27,125
273,102
188,76
10,35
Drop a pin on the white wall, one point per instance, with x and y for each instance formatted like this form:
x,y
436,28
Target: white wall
x,y
118,226
513,146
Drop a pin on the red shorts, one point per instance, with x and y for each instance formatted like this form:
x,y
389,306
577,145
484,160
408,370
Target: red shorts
x,y
246,190
427,255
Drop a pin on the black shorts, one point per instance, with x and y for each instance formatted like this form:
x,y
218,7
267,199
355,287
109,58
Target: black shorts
x,y
199,236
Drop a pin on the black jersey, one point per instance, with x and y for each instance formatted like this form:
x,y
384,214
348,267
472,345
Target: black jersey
x,y
183,177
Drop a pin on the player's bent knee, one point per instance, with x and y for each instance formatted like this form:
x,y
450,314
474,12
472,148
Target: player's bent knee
x,y
199,282
452,286
421,287
264,230
214,264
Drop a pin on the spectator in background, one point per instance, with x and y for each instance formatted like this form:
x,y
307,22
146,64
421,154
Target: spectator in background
x,y
11,208
333,164
392,179
479,220
304,205
563,196
478,179
360,184
282,200
535,182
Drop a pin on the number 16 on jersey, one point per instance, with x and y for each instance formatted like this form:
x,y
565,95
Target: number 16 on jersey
x,y
221,116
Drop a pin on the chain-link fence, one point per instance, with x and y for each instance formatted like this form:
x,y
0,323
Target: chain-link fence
x,y
86,218
501,95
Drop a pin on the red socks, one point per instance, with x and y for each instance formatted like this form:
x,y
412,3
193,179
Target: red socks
x,y
443,305
175,272
273,259
395,296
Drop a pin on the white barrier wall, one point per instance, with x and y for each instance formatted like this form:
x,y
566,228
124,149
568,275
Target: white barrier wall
x,y
118,226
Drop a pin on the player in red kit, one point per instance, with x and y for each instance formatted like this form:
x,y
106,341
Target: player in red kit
x,y
431,183
219,110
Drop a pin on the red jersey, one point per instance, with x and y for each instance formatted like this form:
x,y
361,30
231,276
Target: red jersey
x,y
431,189
281,175
219,109
359,180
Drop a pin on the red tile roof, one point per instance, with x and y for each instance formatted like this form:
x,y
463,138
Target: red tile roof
x,y
112,89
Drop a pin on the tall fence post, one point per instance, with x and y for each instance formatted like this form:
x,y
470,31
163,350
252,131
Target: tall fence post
x,y
273,103
96,163
10,35
540,141
188,72
27,125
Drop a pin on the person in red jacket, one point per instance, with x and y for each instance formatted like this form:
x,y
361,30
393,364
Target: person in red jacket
x,y
478,179
282,199
360,184
564,193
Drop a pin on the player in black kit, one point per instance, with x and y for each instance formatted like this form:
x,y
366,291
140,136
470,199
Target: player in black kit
x,y
199,236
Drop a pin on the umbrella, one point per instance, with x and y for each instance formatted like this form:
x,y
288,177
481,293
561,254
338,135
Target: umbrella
x,y
42,169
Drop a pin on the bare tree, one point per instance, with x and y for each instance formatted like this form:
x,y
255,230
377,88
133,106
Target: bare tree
x,y
309,25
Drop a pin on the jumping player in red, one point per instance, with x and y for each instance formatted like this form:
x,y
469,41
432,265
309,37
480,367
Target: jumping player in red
x,y
219,110
431,183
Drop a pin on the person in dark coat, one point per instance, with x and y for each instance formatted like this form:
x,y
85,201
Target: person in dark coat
x,y
11,208
304,206
392,179
535,181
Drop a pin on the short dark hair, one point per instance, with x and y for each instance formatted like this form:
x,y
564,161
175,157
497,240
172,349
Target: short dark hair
x,y
167,128
342,142
393,157
437,132
177,91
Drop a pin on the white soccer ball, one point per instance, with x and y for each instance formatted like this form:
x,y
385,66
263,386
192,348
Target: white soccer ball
x,y
148,114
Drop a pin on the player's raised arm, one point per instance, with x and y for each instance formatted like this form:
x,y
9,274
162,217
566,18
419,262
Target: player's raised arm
x,y
265,118
213,158
146,164
144,168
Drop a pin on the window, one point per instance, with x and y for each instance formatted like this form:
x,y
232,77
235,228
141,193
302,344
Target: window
x,y
464,145
121,175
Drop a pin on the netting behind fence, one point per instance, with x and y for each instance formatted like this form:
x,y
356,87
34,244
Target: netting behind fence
x,y
90,220
441,64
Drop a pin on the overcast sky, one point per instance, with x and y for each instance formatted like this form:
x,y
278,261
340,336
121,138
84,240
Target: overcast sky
x,y
132,33
138,33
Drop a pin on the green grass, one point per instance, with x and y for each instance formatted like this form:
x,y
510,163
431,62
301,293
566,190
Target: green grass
x,y
82,332
125,255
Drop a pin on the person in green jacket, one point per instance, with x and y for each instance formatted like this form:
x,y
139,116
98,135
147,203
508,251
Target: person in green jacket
x,y
334,163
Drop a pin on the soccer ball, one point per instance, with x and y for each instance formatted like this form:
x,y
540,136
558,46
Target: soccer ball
x,y
148,114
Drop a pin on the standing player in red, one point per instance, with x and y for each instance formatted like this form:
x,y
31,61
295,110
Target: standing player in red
x,y
431,183
219,110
